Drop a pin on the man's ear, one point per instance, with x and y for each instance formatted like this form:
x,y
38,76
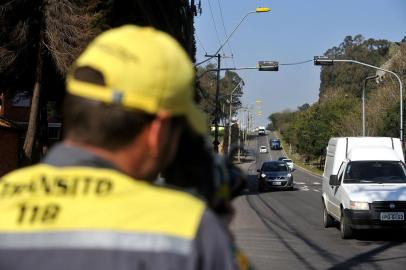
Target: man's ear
x,y
157,131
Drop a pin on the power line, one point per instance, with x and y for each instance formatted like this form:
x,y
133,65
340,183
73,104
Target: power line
x,y
215,26
201,44
296,63
225,31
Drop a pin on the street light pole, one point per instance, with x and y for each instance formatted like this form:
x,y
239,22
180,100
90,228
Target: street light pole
x,y
216,110
323,60
363,101
262,66
216,54
257,10
241,132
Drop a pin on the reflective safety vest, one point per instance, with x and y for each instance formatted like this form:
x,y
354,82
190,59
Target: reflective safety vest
x,y
47,210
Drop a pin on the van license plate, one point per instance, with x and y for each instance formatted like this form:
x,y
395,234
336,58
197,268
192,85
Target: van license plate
x,y
392,216
277,183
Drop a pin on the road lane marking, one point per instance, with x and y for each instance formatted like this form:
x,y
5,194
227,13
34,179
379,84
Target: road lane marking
x,y
316,190
316,183
304,188
300,183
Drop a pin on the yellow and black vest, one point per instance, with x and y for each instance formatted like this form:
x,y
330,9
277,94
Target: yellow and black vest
x,y
94,218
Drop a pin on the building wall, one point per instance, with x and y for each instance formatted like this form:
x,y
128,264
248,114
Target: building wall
x,y
15,112
8,150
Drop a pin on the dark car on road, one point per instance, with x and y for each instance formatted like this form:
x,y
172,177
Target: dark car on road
x,y
274,175
275,144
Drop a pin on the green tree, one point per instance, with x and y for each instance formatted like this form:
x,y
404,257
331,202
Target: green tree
x,y
47,34
303,107
206,89
371,51
39,39
338,111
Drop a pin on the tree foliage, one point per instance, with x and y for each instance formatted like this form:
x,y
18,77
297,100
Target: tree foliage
x,y
39,40
338,110
38,36
371,51
206,88
173,17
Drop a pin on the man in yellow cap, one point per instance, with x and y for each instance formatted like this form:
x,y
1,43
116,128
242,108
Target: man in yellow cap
x,y
91,203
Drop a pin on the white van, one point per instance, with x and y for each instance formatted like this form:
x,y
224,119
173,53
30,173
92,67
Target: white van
x,y
364,184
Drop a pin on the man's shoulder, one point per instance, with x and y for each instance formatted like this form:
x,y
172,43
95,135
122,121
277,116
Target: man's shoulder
x,y
18,172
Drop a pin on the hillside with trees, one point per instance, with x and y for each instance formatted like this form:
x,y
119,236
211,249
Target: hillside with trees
x,y
338,112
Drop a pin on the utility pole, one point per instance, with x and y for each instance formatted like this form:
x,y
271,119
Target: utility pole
x,y
217,54
230,116
216,110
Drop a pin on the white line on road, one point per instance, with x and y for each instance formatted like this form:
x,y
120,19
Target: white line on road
x,y
304,188
316,183
300,183
316,190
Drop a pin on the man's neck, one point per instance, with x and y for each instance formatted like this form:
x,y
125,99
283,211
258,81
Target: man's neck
x,y
131,160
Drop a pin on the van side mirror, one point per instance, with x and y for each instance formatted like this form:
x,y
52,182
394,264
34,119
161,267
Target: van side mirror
x,y
333,180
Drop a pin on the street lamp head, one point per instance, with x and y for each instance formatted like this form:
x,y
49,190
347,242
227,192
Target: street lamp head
x,y
257,10
262,9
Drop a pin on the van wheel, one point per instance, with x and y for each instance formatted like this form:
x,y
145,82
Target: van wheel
x,y
345,228
328,220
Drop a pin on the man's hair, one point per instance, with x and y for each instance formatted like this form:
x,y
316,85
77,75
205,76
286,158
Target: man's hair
x,y
95,123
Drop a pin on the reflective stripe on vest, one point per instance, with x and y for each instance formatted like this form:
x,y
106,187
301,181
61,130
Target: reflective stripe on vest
x,y
80,206
108,240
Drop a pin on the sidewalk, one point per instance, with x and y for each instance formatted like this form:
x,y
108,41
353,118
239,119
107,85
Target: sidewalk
x,y
248,160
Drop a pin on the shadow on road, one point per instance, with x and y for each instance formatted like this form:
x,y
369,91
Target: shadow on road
x,y
252,185
394,235
278,222
374,236
380,242
386,239
367,257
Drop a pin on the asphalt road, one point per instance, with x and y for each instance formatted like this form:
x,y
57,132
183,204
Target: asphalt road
x,y
283,229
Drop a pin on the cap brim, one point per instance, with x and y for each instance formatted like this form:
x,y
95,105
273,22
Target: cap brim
x,y
197,120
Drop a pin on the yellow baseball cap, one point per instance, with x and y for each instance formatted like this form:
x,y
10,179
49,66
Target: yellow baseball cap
x,y
143,69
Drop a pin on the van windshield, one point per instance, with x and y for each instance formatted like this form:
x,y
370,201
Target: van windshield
x,y
377,172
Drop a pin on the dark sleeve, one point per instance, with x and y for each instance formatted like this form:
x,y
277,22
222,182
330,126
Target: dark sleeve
x,y
215,249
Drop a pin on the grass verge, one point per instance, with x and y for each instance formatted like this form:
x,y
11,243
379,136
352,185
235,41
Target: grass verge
x,y
297,159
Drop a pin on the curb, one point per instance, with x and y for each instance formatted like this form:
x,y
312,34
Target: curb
x,y
303,169
309,172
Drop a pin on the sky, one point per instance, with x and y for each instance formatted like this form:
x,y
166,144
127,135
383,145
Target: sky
x,y
293,31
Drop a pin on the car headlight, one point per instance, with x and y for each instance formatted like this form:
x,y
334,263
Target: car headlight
x,y
289,175
359,205
263,175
